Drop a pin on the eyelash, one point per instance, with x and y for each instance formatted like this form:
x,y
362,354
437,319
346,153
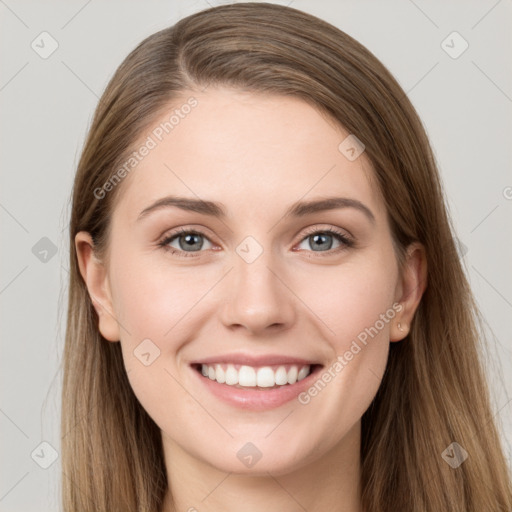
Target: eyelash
x,y
340,236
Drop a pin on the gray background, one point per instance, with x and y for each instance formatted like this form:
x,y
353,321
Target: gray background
x,y
47,104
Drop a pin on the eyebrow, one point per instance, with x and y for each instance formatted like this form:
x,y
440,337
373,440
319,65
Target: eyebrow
x,y
299,209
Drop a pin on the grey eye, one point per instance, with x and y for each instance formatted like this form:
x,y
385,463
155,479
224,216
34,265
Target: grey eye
x,y
189,242
320,241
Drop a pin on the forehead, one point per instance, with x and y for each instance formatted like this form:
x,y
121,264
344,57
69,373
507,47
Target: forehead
x,y
255,151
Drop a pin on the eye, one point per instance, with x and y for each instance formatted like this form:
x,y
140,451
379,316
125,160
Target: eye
x,y
323,240
188,241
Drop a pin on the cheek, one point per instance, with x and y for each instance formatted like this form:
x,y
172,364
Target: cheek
x,y
351,300
151,300
356,307
155,305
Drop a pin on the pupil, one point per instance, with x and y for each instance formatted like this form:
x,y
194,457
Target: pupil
x,y
321,237
190,240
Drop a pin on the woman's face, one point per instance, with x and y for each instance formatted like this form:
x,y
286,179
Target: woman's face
x,y
267,292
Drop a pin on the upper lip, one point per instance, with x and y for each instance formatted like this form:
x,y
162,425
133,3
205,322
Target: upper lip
x,y
254,360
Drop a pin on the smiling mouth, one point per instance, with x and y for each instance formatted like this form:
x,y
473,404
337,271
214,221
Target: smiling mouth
x,y
251,377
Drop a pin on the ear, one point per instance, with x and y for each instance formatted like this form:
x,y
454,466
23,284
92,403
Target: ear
x,y
410,289
95,277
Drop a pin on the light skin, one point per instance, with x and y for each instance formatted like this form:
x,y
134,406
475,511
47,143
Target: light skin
x,y
257,155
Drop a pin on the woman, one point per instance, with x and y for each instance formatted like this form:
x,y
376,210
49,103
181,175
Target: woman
x,y
267,310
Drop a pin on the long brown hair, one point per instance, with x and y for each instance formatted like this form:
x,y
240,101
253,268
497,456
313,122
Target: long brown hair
x,y
433,392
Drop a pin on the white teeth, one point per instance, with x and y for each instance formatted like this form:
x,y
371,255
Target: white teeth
x,y
247,376
265,377
220,374
281,376
231,375
303,373
292,375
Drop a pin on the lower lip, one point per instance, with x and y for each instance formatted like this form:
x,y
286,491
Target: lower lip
x,y
257,399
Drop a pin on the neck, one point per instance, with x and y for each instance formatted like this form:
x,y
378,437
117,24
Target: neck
x,y
330,481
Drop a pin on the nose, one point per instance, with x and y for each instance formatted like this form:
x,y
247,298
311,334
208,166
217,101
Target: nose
x,y
257,297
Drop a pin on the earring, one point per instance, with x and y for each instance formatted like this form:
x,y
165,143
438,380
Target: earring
x,y
400,328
